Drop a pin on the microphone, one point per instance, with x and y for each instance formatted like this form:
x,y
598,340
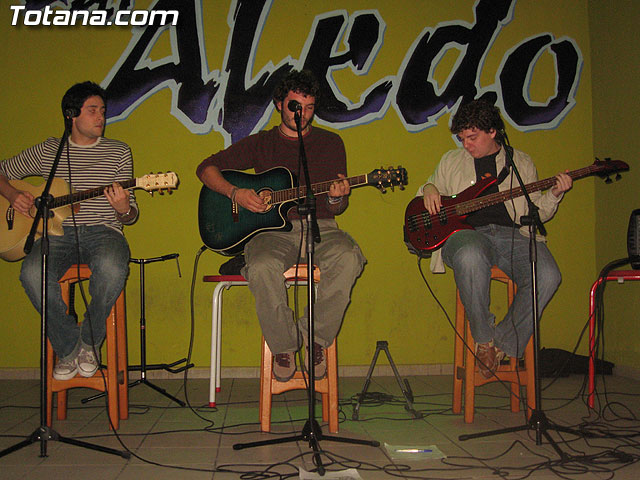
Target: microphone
x,y
501,137
294,106
71,112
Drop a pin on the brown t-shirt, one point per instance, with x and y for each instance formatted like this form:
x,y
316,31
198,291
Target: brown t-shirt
x,y
325,152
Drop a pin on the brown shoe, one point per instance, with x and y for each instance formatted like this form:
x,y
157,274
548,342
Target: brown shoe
x,y
488,358
319,361
284,366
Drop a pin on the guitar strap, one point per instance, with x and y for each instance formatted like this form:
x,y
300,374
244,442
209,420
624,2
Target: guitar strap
x,y
507,165
503,174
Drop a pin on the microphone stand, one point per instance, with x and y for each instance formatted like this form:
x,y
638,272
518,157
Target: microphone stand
x,y
311,432
44,433
538,420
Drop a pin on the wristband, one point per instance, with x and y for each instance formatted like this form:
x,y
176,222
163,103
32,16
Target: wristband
x,y
124,214
233,194
334,200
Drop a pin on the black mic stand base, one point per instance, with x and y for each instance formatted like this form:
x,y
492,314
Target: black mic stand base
x,y
541,425
312,433
45,434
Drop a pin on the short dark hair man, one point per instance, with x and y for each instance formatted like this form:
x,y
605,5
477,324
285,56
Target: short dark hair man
x,y
92,236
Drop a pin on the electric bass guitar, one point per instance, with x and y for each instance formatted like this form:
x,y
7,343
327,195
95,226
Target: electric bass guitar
x,y
225,228
427,232
15,227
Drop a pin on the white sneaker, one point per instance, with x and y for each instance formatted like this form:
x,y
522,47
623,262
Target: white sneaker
x,y
87,363
65,370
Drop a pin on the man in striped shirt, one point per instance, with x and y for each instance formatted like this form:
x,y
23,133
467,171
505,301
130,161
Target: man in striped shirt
x,y
93,235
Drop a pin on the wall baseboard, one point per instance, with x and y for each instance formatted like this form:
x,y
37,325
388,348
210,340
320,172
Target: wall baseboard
x,y
253,372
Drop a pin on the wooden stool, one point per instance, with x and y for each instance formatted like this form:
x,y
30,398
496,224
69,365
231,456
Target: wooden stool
x,y
114,375
464,357
225,282
328,386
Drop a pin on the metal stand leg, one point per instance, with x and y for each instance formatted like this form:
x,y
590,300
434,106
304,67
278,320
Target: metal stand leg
x,y
408,394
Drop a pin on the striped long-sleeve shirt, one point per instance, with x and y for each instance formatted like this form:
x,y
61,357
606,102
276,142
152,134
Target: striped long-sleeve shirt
x,y
85,167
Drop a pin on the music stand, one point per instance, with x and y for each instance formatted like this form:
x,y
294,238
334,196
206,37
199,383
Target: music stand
x,y
143,367
44,433
311,431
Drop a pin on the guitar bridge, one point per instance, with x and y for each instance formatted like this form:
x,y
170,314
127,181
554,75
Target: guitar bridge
x,y
9,217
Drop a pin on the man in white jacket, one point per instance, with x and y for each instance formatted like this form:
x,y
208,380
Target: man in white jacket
x,y
498,237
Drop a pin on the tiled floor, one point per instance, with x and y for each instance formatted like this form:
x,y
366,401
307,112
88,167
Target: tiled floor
x,y
167,441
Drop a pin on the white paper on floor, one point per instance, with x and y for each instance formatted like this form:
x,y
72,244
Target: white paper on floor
x,y
349,474
414,452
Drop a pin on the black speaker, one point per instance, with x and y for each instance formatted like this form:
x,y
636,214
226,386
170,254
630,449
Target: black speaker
x,y
633,239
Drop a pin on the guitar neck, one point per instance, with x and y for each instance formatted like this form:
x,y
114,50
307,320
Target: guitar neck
x,y
289,194
76,197
500,197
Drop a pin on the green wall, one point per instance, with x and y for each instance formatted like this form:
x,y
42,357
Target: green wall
x,y
390,301
616,67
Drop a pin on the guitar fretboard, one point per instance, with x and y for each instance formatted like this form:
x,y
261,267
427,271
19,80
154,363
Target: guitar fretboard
x,y
500,197
282,196
76,197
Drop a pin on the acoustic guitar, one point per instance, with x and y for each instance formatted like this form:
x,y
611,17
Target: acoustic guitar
x,y
15,227
227,233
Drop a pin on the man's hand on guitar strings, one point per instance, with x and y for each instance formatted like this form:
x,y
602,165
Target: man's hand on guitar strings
x,y
432,199
118,198
563,184
250,200
23,202
339,188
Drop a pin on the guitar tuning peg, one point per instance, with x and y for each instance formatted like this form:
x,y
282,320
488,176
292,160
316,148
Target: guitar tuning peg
x,y
382,189
608,180
618,176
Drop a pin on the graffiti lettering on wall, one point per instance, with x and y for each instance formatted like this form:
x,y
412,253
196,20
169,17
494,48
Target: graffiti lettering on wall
x,y
236,100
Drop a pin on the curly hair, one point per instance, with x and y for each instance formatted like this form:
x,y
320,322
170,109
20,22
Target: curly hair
x,y
75,97
478,114
302,81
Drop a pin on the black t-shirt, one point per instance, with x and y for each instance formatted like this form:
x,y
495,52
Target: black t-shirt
x,y
494,214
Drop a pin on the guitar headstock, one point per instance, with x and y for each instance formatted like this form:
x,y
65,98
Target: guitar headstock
x,y
607,166
158,182
382,178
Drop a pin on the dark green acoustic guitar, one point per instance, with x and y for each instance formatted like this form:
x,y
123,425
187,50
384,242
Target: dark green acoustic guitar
x,y
226,232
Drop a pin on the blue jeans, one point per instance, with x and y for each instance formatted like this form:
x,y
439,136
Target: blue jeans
x,y
106,251
471,254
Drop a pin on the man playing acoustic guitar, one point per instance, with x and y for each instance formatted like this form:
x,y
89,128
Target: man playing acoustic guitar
x,y
497,237
270,253
93,235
